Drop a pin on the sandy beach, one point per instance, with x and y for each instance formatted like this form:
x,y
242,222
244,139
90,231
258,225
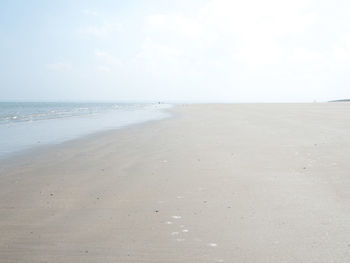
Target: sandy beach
x,y
214,183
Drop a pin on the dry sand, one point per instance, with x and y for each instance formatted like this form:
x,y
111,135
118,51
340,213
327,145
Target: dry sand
x,y
215,183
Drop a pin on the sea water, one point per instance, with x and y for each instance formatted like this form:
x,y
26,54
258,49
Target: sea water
x,y
25,125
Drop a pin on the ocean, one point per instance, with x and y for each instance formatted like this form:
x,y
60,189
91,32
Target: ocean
x,y
26,125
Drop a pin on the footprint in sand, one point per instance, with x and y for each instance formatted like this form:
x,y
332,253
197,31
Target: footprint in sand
x,y
168,223
177,217
185,230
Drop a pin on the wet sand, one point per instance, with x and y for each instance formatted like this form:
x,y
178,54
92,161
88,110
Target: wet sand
x,y
215,183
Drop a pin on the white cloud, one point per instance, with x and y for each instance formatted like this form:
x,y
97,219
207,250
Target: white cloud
x,y
103,68
265,53
238,48
341,51
243,45
100,53
152,50
269,17
175,23
89,12
302,54
59,66
247,31
159,59
103,30
110,62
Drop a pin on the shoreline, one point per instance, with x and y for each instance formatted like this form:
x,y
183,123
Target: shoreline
x,y
37,149
212,183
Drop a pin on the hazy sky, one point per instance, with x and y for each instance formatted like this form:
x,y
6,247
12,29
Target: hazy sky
x,y
193,50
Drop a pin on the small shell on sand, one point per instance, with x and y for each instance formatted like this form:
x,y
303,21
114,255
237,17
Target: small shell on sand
x,y
212,245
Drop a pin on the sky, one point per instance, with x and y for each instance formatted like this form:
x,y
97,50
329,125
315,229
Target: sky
x,y
179,50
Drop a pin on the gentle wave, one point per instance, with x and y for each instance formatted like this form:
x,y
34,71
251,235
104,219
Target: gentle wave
x,y
27,125
34,111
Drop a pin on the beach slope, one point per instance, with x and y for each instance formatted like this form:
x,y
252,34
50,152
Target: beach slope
x,y
214,183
